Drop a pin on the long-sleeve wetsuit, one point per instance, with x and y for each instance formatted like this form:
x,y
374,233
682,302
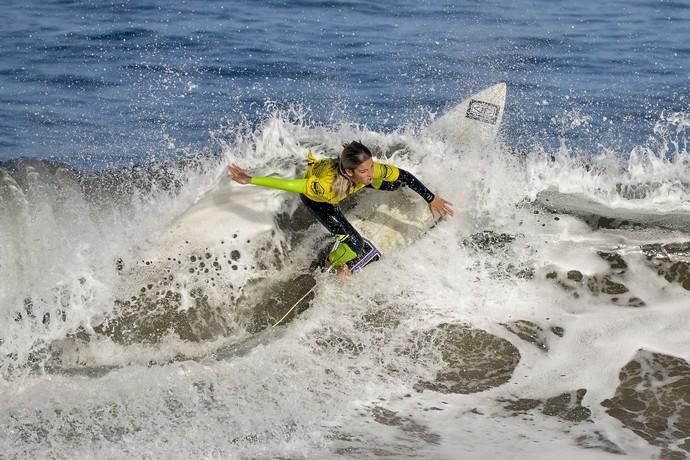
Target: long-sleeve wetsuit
x,y
317,194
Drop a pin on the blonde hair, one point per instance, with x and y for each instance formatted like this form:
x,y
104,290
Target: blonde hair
x,y
353,155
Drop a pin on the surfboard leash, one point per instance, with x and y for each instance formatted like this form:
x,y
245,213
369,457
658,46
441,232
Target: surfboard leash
x,y
295,305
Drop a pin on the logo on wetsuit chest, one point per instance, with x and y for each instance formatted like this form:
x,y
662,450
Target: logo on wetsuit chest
x,y
317,189
386,171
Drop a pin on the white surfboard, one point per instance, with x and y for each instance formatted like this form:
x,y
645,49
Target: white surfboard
x,y
235,219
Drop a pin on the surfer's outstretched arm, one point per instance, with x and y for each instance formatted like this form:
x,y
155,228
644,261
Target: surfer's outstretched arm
x,y
290,185
437,205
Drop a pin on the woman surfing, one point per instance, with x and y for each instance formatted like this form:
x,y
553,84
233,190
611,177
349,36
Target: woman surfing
x,y
328,181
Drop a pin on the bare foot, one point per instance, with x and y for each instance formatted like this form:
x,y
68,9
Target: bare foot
x,y
343,272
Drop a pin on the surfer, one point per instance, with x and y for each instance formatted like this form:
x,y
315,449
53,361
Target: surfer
x,y
328,181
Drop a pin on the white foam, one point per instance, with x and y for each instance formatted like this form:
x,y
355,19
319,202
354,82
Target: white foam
x,y
310,388
653,177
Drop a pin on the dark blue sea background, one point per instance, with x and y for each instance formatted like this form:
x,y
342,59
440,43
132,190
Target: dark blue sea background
x,y
100,84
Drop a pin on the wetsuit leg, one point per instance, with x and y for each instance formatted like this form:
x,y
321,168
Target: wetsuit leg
x,y
335,222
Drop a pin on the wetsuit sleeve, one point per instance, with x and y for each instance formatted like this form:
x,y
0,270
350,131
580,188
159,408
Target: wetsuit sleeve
x,y
406,178
289,185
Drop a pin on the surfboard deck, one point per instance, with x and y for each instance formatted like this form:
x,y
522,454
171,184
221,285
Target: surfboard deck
x,y
392,224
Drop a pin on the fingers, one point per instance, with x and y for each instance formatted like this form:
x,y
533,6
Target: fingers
x,y
447,208
438,212
232,172
441,207
444,208
237,174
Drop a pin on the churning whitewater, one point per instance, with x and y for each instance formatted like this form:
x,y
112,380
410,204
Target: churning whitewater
x,y
548,315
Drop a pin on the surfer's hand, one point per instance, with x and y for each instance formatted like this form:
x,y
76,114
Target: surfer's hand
x,y
440,207
238,175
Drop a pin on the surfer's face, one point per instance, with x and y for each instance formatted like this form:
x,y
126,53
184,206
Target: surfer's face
x,y
364,173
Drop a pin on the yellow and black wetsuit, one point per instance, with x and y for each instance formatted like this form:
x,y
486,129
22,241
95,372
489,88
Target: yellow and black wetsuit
x,y
317,194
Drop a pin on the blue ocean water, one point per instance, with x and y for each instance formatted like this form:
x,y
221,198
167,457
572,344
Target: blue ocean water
x,y
139,286
102,83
